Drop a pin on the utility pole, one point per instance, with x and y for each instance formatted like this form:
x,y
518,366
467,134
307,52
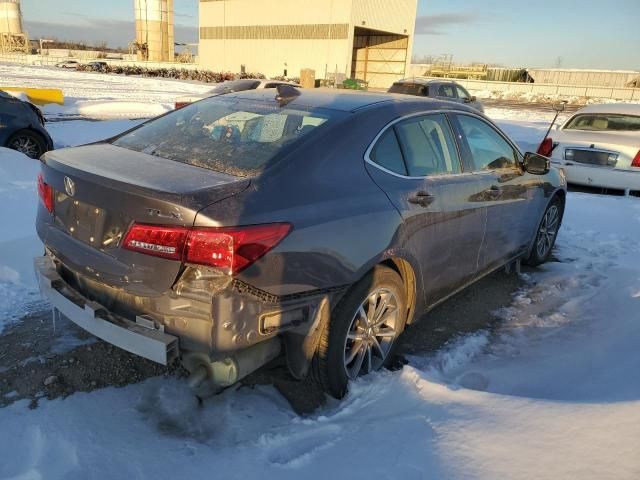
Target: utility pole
x,y
42,42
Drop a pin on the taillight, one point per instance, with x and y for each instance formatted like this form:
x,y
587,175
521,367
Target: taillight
x,y
636,160
165,242
546,147
45,192
179,105
231,249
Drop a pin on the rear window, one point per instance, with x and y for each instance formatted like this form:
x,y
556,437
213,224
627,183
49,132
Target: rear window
x,y
409,89
228,135
604,122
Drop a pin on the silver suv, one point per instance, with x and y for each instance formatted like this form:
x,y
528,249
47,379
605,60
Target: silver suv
x,y
442,89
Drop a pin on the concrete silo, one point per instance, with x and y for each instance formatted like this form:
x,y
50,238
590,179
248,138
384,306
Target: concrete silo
x,y
10,17
12,37
154,30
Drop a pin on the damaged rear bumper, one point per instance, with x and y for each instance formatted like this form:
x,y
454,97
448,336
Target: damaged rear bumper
x,y
142,337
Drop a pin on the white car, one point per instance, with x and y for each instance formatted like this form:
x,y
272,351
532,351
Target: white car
x,y
231,86
68,64
599,146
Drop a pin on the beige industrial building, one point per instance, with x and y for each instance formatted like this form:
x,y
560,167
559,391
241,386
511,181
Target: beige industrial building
x,y
366,39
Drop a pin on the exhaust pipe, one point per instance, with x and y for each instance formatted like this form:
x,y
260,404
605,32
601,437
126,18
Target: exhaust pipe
x,y
207,376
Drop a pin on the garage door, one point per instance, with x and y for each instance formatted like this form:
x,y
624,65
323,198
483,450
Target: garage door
x,y
380,60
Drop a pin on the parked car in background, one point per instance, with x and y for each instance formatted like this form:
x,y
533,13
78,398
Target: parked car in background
x,y
68,64
97,66
311,224
231,86
22,127
599,146
441,89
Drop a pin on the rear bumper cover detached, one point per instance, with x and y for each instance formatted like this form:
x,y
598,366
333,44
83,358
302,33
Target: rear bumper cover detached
x,y
142,337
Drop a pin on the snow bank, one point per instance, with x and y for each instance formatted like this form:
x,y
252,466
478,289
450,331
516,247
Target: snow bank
x,y
18,240
530,97
18,206
105,109
99,96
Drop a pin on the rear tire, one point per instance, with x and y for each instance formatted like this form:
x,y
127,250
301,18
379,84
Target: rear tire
x,y
362,333
27,142
546,233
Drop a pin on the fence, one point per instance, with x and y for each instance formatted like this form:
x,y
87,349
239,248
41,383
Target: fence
x,y
613,93
25,59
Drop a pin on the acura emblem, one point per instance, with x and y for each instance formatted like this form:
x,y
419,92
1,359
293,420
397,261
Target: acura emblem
x,y
69,186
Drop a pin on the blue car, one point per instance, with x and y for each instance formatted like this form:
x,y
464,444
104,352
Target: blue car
x,y
22,127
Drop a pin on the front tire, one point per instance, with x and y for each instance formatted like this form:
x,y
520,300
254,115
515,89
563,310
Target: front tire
x,y
363,330
546,233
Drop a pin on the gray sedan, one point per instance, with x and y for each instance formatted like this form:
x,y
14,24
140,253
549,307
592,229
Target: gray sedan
x,y
308,224
440,89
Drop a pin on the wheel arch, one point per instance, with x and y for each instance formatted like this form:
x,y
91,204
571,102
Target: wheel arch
x,y
410,281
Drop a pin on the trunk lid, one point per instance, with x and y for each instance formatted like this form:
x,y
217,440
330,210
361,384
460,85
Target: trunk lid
x,y
101,190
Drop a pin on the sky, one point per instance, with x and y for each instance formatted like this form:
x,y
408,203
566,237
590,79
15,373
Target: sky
x,y
537,33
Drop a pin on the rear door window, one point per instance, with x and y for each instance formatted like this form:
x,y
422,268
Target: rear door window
x,y
418,147
489,149
446,90
228,135
387,153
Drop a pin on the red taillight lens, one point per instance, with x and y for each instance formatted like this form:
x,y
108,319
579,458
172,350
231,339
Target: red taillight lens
x,y
165,242
546,147
179,105
230,249
636,160
233,249
45,192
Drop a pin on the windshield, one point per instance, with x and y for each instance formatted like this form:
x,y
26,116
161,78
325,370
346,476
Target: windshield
x,y
228,135
604,122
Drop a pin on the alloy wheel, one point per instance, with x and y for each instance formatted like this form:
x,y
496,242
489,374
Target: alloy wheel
x,y
371,334
26,145
547,231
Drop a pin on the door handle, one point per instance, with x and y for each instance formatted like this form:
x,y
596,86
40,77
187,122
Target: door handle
x,y
423,199
494,191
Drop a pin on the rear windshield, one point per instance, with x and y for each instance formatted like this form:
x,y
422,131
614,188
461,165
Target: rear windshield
x,y
604,122
229,135
409,89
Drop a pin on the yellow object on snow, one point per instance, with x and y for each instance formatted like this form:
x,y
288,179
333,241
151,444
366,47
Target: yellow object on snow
x,y
39,96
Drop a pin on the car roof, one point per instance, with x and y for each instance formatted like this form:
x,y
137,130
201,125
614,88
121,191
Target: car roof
x,y
345,100
425,81
623,108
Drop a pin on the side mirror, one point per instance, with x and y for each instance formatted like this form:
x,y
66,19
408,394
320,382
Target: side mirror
x,y
469,99
559,107
536,164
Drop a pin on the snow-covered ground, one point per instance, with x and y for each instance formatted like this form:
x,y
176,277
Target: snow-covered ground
x,y
96,95
553,392
530,97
